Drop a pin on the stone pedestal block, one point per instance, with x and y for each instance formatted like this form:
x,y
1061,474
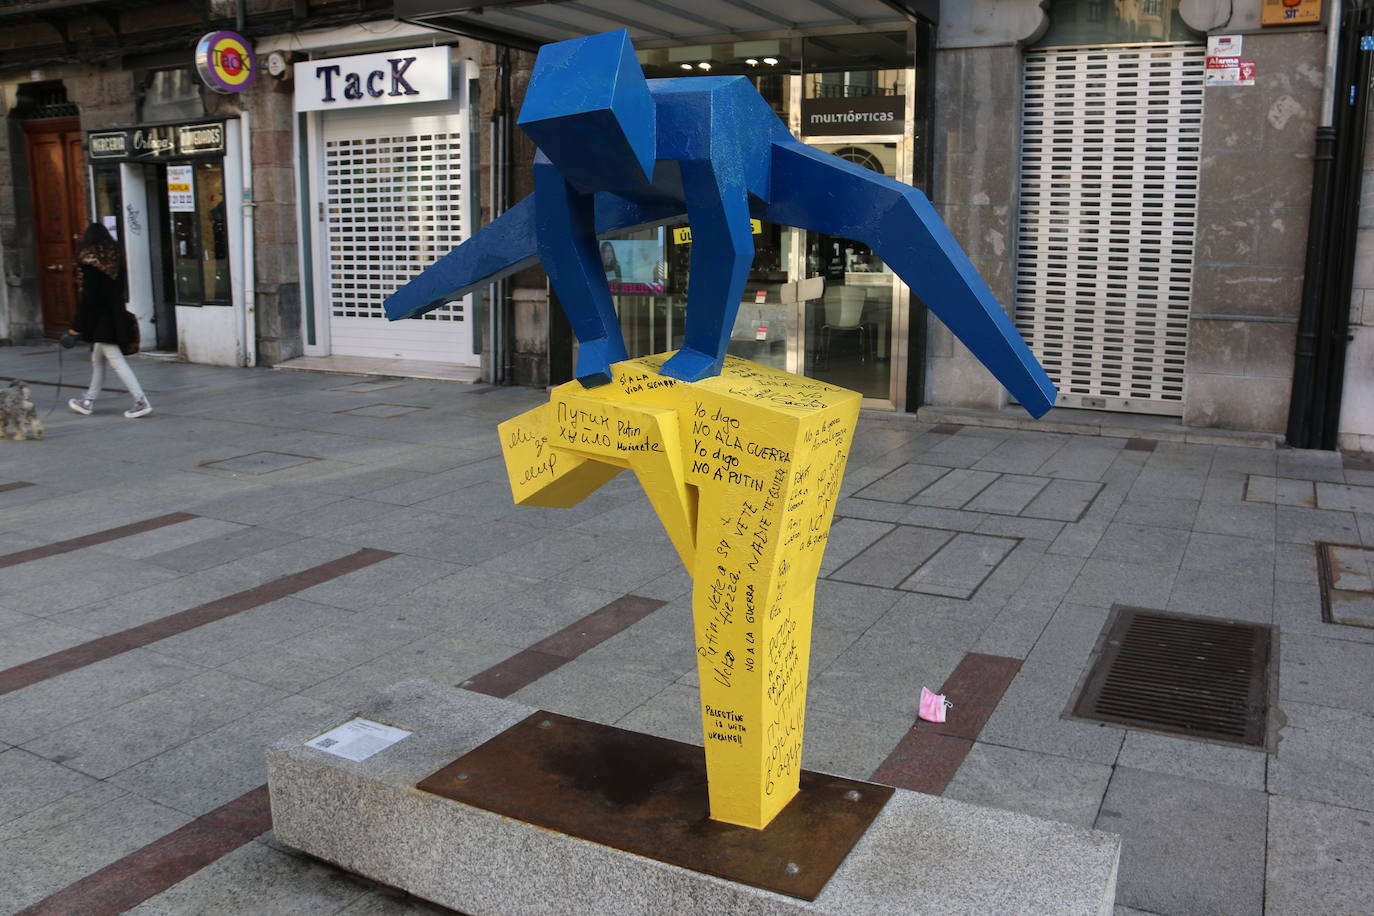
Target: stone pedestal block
x,y
922,854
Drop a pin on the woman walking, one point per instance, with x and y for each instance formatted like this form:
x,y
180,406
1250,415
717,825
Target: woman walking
x,y
99,319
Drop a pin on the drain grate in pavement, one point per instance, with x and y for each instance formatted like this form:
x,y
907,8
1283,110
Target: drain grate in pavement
x,y
1347,576
1194,676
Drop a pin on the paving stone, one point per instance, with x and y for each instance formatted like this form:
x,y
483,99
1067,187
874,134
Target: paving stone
x,y
1226,595
934,619
1310,464
852,608
1252,520
297,662
1187,846
1159,511
1020,527
902,483
1022,454
84,576
1345,498
892,558
217,767
168,538
1079,539
44,860
881,677
848,538
1029,717
581,689
1327,672
1008,495
49,705
1015,629
27,641
1303,526
1081,458
954,489
237,542
1070,636
1323,756
960,566
258,879
1241,767
1103,583
673,713
1178,484
1063,500
1140,544
1041,785
946,519
1318,859
871,509
104,744
28,782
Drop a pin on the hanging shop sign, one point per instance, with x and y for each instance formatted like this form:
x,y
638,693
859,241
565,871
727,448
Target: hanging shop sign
x,y
872,114
156,142
224,61
386,78
1291,12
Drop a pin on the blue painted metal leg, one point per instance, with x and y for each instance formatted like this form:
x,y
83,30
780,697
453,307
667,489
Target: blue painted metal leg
x,y
566,232
722,253
814,190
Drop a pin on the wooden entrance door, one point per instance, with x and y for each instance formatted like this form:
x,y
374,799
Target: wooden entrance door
x,y
57,185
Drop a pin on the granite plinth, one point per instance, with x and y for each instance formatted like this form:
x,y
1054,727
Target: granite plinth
x,y
922,854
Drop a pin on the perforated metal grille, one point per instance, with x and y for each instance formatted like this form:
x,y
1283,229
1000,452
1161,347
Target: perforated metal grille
x,y
394,204
1110,156
1195,676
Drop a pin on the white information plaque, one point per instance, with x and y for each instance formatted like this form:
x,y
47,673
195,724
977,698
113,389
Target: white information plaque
x,y
357,739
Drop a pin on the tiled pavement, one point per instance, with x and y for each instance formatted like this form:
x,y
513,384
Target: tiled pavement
x,y
338,534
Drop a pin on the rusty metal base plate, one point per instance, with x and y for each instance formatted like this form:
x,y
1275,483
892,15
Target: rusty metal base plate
x,y
647,796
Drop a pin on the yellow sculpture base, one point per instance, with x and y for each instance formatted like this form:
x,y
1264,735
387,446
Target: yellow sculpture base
x,y
744,470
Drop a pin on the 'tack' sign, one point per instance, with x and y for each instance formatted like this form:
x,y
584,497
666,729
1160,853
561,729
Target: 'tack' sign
x,y
386,78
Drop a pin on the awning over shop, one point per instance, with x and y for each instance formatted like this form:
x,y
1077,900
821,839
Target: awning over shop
x,y
659,23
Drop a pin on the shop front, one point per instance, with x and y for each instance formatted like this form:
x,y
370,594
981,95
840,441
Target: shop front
x,y
386,188
172,195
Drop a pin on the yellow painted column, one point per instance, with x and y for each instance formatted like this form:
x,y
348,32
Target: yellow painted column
x,y
744,471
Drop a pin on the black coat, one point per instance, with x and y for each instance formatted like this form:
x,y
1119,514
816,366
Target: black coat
x,y
101,307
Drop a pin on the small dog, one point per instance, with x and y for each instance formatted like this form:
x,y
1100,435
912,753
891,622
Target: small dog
x,y
17,410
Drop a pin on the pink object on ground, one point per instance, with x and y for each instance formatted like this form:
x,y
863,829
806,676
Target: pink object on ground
x,y
933,706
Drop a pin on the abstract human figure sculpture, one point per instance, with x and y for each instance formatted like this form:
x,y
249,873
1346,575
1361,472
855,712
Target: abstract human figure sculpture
x,y
742,463
617,151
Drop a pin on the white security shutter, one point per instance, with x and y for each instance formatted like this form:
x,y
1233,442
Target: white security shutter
x,y
1110,153
395,200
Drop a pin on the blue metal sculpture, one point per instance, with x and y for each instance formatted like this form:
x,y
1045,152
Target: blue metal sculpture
x,y
619,152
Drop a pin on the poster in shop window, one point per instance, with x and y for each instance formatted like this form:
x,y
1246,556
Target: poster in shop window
x,y
180,197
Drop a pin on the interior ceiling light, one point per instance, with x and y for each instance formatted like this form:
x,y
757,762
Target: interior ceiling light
x,y
771,61
704,65
753,61
686,66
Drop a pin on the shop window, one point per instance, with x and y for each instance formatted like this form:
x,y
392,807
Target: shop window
x,y
172,94
1097,22
766,63
199,237
855,66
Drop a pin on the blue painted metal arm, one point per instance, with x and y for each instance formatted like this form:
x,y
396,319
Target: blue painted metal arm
x,y
498,250
507,246
818,191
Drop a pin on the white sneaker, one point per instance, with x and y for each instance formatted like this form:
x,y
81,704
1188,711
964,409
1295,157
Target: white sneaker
x,y
82,405
141,408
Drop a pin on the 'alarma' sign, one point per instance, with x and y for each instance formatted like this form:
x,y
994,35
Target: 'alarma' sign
x,y
386,78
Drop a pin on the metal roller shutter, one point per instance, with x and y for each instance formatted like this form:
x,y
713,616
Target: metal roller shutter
x,y
395,200
1110,156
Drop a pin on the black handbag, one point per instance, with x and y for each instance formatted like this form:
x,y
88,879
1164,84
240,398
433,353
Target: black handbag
x,y
128,333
